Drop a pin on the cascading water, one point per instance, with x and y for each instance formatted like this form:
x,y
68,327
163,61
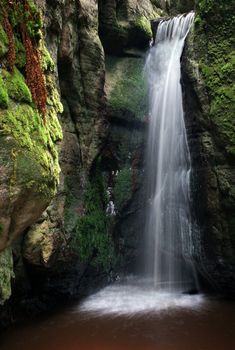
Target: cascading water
x,y
168,227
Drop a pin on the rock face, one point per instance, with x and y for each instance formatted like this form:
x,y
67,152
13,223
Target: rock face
x,y
29,168
174,7
125,24
123,154
78,239
208,73
93,226
58,246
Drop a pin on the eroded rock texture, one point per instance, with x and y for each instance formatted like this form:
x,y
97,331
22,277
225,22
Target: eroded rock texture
x,y
93,226
29,168
208,78
78,241
125,24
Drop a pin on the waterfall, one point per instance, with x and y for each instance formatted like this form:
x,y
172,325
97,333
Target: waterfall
x,y
168,226
169,268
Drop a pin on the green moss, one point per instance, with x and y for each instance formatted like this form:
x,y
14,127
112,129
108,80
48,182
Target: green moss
x,y
139,32
127,88
4,99
35,163
6,274
30,18
122,188
20,53
91,239
16,86
3,42
47,61
214,26
37,157
142,24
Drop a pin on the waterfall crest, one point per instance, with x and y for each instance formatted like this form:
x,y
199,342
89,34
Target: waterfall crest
x,y
168,226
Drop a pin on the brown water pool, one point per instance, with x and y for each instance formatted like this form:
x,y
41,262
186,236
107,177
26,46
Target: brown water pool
x,y
208,327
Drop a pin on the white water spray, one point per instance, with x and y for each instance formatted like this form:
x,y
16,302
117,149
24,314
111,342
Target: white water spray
x,y
168,227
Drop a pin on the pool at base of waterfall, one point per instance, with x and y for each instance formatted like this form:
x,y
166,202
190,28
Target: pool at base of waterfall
x,y
128,317
138,297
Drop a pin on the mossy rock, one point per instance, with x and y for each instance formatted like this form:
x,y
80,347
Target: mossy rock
x,y
4,98
91,239
20,53
47,62
126,85
6,274
122,190
3,42
16,86
29,159
140,32
217,64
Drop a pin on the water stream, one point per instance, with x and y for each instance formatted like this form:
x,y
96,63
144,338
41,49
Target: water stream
x,y
151,313
168,227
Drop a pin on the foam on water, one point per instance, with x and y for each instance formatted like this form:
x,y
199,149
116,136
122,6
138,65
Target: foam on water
x,y
137,298
169,266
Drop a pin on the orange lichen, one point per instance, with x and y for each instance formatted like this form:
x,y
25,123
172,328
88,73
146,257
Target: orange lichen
x,y
34,74
11,54
19,17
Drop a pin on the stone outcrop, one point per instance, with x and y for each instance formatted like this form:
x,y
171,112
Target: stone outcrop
x,y
208,71
89,145
123,153
51,250
93,226
125,24
29,167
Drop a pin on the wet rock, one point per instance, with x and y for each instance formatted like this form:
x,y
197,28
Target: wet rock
x,y
211,140
126,24
29,168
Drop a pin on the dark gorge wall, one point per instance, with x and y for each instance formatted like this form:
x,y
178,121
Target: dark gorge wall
x,y
29,129
208,84
79,241
92,228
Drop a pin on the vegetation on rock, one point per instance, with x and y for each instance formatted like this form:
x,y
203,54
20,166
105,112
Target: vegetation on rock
x,y
24,19
6,274
126,85
122,190
91,239
217,63
28,153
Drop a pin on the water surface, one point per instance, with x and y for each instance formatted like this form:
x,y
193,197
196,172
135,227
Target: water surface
x,y
109,320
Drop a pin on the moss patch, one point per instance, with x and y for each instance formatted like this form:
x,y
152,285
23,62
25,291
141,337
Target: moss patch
x,y
3,42
6,274
126,85
4,98
217,63
16,86
20,53
47,62
91,239
122,188
36,160
140,32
